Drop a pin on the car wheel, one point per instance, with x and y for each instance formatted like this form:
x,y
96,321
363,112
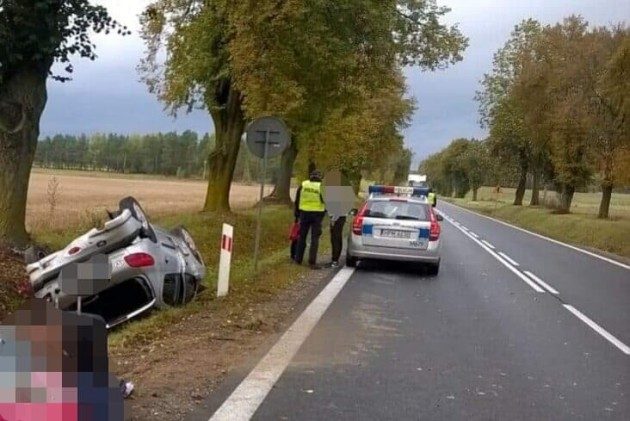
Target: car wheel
x,y
183,233
434,269
351,261
140,215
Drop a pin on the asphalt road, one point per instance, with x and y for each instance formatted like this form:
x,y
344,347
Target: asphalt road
x,y
482,340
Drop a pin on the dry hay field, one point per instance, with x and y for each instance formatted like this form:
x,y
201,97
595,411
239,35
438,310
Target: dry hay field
x,y
82,197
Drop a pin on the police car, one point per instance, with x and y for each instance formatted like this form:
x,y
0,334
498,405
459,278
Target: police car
x,y
396,223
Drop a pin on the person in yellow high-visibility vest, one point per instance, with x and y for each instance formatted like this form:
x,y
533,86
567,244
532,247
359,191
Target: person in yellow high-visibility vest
x,y
310,209
432,198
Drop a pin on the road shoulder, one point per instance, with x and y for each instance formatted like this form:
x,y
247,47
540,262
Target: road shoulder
x,y
196,362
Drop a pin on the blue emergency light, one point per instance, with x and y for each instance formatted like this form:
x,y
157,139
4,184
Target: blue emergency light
x,y
399,191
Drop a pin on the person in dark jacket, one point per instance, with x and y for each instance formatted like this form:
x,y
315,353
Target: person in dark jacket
x,y
310,209
339,197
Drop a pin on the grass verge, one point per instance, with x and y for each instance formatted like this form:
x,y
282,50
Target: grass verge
x,y
581,227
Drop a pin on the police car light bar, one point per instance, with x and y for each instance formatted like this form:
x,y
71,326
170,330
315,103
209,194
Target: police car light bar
x,y
398,190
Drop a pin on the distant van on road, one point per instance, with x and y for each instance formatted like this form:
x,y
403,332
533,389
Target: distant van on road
x,y
417,180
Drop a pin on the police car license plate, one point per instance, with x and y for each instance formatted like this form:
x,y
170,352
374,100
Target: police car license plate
x,y
421,243
395,234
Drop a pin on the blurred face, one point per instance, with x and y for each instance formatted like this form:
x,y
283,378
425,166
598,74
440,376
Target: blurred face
x,y
50,363
31,366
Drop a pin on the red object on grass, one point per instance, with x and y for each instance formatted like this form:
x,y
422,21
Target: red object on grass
x,y
294,233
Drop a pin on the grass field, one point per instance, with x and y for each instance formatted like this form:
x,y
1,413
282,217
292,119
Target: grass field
x,y
580,227
83,197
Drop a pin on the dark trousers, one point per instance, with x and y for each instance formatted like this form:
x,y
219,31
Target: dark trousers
x,y
309,222
294,247
336,237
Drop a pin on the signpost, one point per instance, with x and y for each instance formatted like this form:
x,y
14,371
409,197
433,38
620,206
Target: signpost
x,y
267,137
227,244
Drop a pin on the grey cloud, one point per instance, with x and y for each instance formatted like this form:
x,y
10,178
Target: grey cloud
x,y
106,95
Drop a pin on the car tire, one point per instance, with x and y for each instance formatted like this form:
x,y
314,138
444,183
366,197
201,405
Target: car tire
x,y
351,261
139,214
182,233
434,269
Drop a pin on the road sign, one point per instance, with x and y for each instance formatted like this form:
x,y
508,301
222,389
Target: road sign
x,y
267,138
268,131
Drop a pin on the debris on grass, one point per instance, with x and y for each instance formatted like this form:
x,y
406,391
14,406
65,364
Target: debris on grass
x,y
14,284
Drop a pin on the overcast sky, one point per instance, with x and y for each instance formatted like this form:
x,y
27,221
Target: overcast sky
x,y
107,96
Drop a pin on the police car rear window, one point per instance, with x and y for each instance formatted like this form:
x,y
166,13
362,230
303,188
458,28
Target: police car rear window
x,y
391,209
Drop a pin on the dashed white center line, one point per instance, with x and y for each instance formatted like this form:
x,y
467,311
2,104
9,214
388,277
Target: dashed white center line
x,y
597,328
541,282
508,258
538,284
502,260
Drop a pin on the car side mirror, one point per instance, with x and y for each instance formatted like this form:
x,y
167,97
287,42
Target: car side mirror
x,y
439,217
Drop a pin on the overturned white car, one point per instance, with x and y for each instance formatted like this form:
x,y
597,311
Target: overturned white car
x,y
150,267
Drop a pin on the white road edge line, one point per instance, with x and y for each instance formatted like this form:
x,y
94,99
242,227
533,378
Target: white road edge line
x,y
597,328
541,282
504,262
508,258
488,244
581,250
250,394
473,234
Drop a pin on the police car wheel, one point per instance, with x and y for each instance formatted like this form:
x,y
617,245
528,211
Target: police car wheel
x,y
433,269
351,261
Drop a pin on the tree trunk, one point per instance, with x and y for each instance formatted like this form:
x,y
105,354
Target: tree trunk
x,y
282,190
474,198
566,198
604,205
23,98
229,124
607,186
535,201
520,190
354,178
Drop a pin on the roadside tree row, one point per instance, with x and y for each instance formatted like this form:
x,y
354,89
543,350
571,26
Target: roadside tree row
x,y
331,70
557,106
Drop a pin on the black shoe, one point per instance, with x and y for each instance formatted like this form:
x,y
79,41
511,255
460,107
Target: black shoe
x,y
334,264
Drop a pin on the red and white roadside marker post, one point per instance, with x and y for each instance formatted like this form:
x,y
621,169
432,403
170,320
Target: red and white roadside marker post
x,y
227,244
